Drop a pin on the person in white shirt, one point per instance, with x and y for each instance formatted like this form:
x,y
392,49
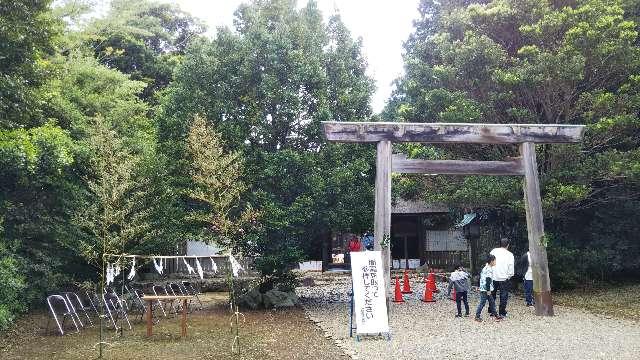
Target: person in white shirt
x,y
502,273
525,262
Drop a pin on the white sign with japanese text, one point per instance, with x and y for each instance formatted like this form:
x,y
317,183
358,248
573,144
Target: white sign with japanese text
x,y
369,289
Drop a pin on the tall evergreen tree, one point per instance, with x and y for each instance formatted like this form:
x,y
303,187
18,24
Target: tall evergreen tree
x,y
266,87
534,61
28,35
144,39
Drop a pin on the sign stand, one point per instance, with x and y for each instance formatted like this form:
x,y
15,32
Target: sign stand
x,y
368,314
351,323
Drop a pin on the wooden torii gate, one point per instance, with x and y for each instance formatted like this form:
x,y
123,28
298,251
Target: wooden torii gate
x,y
525,135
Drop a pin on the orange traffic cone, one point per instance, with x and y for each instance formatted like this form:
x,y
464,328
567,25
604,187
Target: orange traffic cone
x,y
406,287
453,294
432,282
398,294
428,293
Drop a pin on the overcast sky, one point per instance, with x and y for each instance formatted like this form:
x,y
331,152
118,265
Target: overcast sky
x,y
383,26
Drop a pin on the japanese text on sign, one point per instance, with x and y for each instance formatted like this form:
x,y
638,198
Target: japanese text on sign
x,y
370,305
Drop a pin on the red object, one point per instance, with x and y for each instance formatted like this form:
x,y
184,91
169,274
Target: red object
x,y
406,287
398,294
354,245
453,294
428,293
432,282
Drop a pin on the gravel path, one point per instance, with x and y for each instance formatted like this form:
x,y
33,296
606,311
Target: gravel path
x,y
430,331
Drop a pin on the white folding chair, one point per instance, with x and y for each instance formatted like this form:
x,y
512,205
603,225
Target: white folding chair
x,y
115,309
161,291
188,286
78,305
58,303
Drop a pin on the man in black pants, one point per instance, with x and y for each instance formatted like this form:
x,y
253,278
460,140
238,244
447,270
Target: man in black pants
x,y
502,273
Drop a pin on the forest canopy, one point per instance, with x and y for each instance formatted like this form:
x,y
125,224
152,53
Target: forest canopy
x,y
135,131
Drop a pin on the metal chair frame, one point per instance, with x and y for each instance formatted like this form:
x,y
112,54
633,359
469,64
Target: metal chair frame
x,y
159,290
179,289
115,309
136,295
79,305
188,286
93,299
68,312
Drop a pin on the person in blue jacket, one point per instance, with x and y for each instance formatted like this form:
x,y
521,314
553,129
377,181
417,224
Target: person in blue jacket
x,y
367,240
486,287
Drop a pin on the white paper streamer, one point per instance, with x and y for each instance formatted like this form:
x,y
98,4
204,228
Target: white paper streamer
x,y
214,266
109,273
189,268
199,269
132,273
157,265
235,265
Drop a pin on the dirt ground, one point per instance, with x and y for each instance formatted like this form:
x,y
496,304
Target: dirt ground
x,y
264,335
611,301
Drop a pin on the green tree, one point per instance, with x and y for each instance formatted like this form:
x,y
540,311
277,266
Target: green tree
x,y
33,194
113,218
144,39
266,88
27,37
218,188
104,115
532,62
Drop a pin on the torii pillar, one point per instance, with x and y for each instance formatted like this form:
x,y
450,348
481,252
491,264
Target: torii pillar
x,y
525,135
382,211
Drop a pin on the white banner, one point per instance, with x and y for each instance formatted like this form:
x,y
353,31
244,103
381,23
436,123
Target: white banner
x,y
369,289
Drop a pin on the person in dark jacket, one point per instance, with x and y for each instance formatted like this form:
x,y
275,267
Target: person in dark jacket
x,y
460,281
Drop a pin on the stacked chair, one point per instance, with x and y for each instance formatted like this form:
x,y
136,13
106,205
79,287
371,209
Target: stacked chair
x,y
59,307
83,308
70,305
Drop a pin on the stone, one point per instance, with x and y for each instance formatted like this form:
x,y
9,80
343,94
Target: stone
x,y
294,298
308,282
279,299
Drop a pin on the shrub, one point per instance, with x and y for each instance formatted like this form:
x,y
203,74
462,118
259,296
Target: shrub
x,y
274,264
12,286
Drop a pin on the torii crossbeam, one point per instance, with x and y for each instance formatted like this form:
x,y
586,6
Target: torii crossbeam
x,y
525,135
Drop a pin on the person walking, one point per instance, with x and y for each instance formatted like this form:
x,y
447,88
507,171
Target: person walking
x,y
502,273
459,280
485,287
354,245
527,282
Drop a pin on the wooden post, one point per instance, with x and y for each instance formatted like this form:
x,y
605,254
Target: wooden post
x,y
382,216
535,230
325,252
149,318
184,317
